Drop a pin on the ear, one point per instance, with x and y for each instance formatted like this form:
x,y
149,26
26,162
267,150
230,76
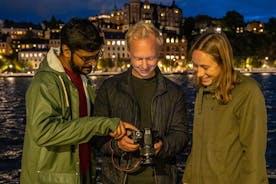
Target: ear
x,y
66,51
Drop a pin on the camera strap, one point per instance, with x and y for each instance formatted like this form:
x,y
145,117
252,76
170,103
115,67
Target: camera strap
x,y
128,169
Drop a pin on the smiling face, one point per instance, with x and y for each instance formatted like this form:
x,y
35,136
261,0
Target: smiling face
x,y
144,56
206,68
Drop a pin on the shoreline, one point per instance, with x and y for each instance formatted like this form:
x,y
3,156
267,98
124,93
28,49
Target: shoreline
x,y
253,71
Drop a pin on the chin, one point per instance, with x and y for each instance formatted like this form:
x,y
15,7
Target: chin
x,y
206,83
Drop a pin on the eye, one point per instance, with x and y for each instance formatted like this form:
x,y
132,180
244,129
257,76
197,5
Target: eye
x,y
205,67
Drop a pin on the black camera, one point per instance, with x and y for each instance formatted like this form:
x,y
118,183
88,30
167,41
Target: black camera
x,y
146,138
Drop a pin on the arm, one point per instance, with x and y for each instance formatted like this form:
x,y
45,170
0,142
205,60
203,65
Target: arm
x,y
177,136
102,107
253,136
50,122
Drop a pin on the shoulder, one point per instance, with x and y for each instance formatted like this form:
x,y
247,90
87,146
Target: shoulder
x,y
248,83
171,85
248,87
114,80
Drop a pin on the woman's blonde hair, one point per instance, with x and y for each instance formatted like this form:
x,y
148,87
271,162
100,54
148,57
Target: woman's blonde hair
x,y
218,46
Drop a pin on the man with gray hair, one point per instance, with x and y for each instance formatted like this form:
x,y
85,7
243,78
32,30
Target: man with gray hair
x,y
152,103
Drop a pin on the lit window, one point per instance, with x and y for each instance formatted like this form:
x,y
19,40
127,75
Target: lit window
x,y
108,42
167,40
172,40
113,42
118,42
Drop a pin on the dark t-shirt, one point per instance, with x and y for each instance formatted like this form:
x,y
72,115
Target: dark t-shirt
x,y
144,90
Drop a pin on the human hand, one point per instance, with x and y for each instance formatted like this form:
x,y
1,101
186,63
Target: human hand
x,y
158,146
121,130
127,144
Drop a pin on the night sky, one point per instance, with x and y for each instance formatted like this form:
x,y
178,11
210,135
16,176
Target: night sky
x,y
38,10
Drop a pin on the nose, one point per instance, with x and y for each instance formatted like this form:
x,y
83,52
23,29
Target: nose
x,y
92,63
144,63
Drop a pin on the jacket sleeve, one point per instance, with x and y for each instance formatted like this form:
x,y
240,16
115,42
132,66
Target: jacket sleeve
x,y
177,137
188,171
253,136
47,121
102,108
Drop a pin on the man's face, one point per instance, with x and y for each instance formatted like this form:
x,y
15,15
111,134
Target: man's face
x,y
83,61
144,57
206,68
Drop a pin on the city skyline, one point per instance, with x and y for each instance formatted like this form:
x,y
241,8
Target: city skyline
x,y
35,11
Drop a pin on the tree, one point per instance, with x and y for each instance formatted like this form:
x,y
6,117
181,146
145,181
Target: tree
x,y
270,27
188,27
232,20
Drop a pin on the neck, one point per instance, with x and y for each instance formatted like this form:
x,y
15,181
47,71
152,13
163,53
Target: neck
x,y
65,62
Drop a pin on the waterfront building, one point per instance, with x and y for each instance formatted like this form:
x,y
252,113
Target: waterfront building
x,y
5,44
255,27
31,58
163,17
31,51
19,31
115,45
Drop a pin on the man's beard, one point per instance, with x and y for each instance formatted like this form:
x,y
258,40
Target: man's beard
x,y
78,69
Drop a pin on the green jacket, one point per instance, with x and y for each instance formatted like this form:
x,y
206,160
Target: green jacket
x,y
54,129
229,141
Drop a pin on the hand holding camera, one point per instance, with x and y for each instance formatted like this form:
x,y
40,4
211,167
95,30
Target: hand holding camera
x,y
149,143
121,130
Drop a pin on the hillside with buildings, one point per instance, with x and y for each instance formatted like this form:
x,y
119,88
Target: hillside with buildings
x,y
24,45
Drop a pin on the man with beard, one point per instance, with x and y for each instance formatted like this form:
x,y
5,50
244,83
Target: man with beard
x,y
59,104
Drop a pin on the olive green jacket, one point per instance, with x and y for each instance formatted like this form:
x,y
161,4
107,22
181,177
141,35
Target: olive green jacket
x,y
229,141
54,129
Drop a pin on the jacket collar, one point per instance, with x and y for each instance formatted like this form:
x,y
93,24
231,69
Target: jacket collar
x,y
125,84
53,61
55,64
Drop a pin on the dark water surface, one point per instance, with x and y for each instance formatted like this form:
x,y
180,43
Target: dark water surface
x,y
12,120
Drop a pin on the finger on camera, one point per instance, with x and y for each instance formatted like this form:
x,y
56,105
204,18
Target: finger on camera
x,y
130,126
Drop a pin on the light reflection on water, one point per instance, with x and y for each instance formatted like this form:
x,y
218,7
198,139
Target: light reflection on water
x,y
12,119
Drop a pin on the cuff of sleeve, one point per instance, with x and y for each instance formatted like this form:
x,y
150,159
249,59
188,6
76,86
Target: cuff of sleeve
x,y
118,152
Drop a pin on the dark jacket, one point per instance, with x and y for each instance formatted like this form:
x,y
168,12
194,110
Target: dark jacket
x,y
115,98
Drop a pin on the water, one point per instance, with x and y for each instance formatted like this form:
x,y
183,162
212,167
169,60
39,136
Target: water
x,y
12,120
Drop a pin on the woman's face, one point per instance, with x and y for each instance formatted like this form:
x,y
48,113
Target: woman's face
x,y
205,67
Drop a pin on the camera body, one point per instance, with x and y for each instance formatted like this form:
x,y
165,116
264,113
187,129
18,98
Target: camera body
x,y
146,138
